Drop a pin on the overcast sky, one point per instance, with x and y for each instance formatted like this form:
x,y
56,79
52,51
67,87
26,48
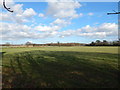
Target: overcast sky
x,y
46,22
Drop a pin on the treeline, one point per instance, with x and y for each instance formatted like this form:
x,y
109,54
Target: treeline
x,y
104,43
64,44
96,43
29,44
55,44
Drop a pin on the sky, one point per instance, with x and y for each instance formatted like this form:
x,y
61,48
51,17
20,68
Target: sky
x,y
46,22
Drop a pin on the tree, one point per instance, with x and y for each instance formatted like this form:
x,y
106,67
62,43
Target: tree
x,y
58,43
98,42
28,43
7,44
116,43
105,42
92,44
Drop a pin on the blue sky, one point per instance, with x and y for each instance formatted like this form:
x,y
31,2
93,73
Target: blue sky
x,y
46,22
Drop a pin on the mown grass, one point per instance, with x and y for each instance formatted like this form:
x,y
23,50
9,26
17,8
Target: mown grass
x,y
61,69
100,49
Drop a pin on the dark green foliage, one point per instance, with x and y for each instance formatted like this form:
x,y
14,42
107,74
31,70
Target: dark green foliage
x,y
61,69
104,43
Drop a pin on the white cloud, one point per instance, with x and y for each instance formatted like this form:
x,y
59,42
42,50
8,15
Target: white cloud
x,y
101,31
47,28
11,31
17,8
61,22
41,15
63,12
11,27
93,34
19,15
63,9
14,31
81,14
90,14
17,31
29,13
87,29
5,16
67,33
8,3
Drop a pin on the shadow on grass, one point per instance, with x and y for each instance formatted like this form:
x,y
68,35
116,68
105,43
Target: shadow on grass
x,y
51,69
1,54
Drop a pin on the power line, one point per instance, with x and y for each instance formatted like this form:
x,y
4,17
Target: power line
x,y
8,9
114,10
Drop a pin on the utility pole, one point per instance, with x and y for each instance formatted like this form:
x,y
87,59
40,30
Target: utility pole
x,y
115,11
118,18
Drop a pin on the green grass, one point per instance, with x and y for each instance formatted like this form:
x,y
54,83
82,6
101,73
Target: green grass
x,y
61,67
76,49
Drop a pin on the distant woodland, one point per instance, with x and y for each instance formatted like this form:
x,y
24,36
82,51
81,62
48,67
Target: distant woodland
x,y
96,43
104,43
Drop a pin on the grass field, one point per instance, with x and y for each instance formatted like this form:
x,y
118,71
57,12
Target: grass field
x,y
61,67
76,49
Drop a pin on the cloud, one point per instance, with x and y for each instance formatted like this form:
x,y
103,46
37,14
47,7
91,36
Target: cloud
x,y
90,14
19,15
14,31
63,12
29,13
81,14
56,25
17,31
41,15
63,9
67,33
17,8
102,31
47,28
14,26
8,3
61,22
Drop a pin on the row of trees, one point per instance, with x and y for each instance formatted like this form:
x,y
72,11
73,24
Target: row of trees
x,y
104,43
96,43
54,44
